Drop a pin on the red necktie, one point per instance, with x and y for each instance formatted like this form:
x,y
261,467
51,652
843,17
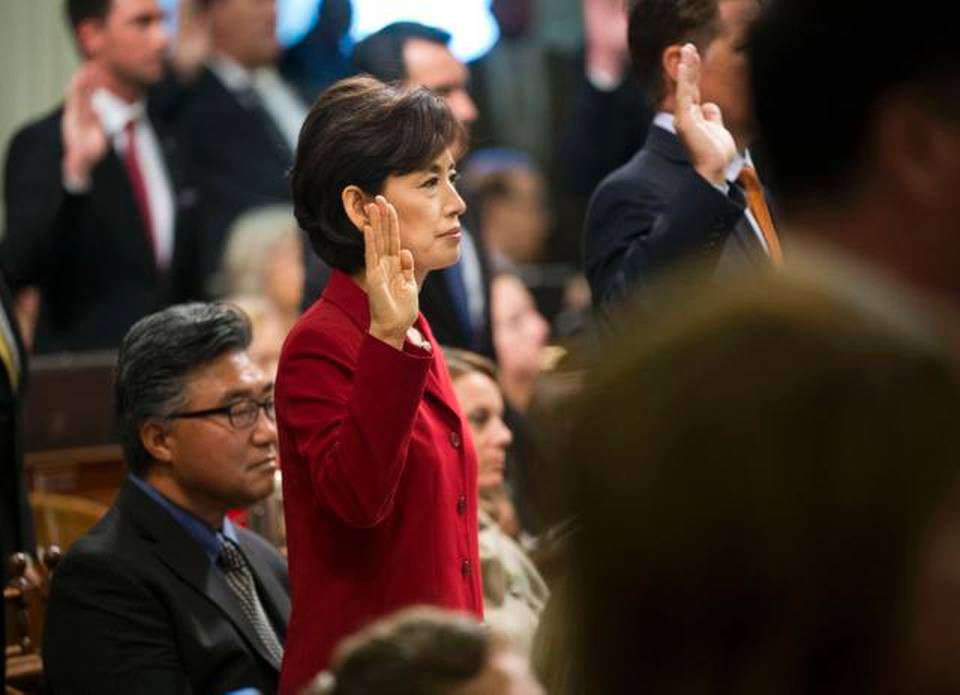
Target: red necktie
x,y
761,213
138,184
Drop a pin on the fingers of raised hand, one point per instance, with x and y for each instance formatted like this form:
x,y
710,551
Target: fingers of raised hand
x,y
688,78
406,265
371,257
376,225
712,113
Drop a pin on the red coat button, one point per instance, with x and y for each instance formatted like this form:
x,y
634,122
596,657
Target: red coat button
x,y
465,568
455,439
461,505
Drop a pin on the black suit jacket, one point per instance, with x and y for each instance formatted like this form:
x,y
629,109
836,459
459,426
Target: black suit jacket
x,y
237,159
88,253
136,606
656,210
16,525
438,306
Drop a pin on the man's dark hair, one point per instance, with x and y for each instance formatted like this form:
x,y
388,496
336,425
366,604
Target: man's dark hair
x,y
359,132
814,105
81,10
156,358
654,25
381,53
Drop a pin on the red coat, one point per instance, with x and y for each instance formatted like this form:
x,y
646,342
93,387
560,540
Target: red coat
x,y
379,480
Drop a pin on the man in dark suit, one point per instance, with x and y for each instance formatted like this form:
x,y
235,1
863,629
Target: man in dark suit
x,y
165,595
16,526
456,300
95,211
239,120
691,191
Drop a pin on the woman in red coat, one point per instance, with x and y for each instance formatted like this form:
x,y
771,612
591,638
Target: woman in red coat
x,y
379,478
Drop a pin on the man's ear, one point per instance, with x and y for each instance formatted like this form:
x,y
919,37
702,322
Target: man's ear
x,y
355,202
158,440
670,65
90,39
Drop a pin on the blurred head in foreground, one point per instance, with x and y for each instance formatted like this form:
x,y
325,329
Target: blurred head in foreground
x,y
426,651
767,488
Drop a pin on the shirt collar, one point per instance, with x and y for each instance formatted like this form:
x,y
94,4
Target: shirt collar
x,y
199,530
664,120
234,76
114,112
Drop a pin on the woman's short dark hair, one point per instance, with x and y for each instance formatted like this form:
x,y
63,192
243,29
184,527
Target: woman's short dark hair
x,y
156,357
359,132
417,651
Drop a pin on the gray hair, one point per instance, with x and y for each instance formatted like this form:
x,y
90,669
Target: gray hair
x,y
249,242
155,358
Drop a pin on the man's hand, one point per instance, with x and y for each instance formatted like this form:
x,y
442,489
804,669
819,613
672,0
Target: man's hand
x,y
84,140
192,47
700,126
391,285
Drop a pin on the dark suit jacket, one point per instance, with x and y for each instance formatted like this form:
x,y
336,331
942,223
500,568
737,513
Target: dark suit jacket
x,y
437,304
656,210
88,253
136,606
236,158
16,526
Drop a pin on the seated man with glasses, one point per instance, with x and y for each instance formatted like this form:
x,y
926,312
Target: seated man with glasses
x,y
165,595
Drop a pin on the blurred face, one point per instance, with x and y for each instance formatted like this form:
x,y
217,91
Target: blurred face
x,y
131,42
519,331
245,30
211,460
724,76
433,66
517,223
283,281
482,405
506,673
429,208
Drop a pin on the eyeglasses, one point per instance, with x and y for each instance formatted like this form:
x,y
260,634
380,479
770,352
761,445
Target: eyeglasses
x,y
241,414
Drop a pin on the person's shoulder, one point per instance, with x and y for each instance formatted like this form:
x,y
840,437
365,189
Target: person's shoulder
x,y
39,132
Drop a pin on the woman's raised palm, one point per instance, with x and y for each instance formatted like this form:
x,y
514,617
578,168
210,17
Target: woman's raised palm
x,y
391,284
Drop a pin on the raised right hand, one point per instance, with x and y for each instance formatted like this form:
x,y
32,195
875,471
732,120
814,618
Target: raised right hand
x,y
700,128
84,139
391,285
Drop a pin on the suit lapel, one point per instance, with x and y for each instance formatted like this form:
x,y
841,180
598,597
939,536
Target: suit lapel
x,y
184,557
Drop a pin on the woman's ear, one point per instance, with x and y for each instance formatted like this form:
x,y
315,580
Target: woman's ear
x,y
355,203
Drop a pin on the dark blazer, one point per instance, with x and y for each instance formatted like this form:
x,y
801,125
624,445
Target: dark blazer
x,y
437,304
16,525
655,211
136,606
88,253
236,157
379,479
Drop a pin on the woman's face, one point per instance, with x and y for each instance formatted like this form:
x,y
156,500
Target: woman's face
x,y
519,331
482,405
429,208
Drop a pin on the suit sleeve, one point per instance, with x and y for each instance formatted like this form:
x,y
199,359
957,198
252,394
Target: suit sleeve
x,y
633,231
105,632
37,205
351,423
